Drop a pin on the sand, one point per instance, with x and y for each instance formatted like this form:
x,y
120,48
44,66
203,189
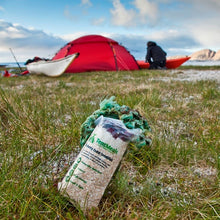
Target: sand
x,y
192,75
195,75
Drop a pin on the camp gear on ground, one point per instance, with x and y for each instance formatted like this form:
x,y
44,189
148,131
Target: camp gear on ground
x,y
131,118
170,63
51,67
97,53
88,177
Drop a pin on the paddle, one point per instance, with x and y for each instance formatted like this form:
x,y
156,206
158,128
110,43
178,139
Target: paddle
x,y
15,59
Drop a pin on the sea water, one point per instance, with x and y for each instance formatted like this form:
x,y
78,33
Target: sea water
x,y
13,64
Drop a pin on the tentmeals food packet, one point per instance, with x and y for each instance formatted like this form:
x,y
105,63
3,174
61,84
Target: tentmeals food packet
x,y
89,175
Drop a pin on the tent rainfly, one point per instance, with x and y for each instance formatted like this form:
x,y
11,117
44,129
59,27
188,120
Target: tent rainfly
x,y
97,53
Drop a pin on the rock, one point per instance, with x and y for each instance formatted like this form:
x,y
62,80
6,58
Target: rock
x,y
205,54
217,56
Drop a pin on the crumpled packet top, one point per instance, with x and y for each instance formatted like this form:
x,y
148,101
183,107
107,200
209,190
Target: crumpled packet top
x,y
131,119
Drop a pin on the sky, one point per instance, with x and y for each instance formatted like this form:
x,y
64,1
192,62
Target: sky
x,y
42,27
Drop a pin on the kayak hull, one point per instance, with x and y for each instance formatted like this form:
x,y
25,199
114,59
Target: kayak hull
x,y
170,64
51,68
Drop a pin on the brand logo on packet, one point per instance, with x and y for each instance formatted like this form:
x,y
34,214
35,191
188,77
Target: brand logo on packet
x,y
92,139
102,144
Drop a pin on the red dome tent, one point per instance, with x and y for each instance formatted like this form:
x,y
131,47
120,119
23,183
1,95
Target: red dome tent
x,y
97,53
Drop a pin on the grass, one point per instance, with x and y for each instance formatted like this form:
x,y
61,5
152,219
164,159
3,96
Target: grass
x,y
199,67
177,177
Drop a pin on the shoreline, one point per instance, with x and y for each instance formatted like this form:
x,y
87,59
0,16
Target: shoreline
x,y
188,63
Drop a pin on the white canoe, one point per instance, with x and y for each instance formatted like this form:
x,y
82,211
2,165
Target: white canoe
x,y
52,67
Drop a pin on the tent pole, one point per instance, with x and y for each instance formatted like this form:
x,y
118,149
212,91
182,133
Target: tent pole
x,y
114,53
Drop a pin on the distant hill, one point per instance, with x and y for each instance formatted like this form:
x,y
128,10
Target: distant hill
x,y
205,54
217,56
201,55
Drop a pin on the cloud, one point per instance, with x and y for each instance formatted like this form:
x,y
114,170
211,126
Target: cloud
x,y
173,42
70,37
122,16
201,22
86,3
147,11
213,5
206,32
98,22
190,10
189,26
1,8
26,42
143,12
